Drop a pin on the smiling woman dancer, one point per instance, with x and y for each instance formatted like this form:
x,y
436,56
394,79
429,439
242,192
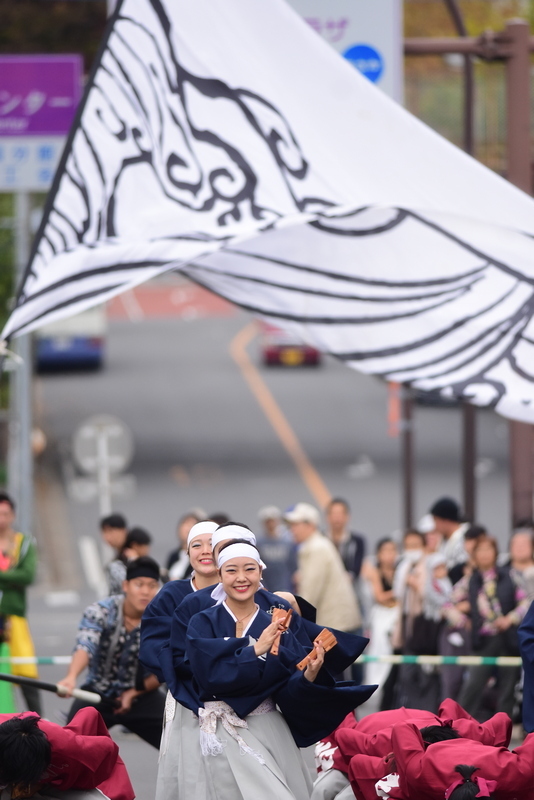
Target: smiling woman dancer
x,y
157,619
247,746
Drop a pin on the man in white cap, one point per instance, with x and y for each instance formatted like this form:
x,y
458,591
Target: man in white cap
x,y
321,578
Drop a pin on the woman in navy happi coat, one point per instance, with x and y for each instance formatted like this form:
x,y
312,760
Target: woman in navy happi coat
x,y
240,683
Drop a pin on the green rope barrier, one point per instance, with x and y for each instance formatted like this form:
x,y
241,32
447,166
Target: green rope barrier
x,y
466,661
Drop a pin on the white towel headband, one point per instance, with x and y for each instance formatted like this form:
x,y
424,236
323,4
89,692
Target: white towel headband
x,y
239,550
199,528
232,532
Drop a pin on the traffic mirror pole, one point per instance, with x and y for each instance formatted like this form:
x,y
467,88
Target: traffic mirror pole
x,y
20,456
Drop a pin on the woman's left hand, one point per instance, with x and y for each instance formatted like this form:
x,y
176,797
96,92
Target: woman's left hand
x,y
316,662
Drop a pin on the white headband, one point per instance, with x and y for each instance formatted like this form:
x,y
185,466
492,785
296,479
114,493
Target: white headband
x,y
232,532
199,528
239,550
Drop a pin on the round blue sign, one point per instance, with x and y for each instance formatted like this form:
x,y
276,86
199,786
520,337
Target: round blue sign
x,y
366,59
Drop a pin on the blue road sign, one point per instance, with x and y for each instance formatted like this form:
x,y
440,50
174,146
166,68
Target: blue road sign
x,y
366,59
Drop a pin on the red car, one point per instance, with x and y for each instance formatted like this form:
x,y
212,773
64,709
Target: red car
x,y
281,348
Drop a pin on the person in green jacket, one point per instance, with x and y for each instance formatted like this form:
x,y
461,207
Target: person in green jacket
x,y
18,562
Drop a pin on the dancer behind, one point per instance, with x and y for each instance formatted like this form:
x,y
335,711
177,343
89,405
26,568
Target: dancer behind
x,y
108,645
429,773
372,736
241,683
372,775
38,755
157,618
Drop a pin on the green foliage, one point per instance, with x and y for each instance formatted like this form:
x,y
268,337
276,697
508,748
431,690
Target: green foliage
x,y
6,254
432,18
7,261
50,26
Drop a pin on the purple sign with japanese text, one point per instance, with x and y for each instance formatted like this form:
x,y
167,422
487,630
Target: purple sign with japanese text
x,y
38,94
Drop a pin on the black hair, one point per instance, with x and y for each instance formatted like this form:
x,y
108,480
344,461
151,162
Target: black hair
x,y
438,733
381,542
6,498
221,518
137,536
413,532
469,788
142,567
113,521
193,514
229,522
235,541
338,501
524,522
474,531
24,751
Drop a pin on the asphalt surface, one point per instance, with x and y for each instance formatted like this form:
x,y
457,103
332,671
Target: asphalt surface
x,y
203,439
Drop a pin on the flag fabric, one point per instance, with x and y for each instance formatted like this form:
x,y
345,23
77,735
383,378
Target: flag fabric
x,y
225,139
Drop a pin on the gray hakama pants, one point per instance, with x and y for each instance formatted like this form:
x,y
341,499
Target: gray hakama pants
x,y
185,774
236,776
181,771
330,784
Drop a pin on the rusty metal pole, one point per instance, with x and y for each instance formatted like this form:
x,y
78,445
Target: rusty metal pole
x,y
469,82
407,455
519,172
469,450
469,460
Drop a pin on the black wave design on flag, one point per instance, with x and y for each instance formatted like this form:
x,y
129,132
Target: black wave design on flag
x,y
233,189
156,128
428,355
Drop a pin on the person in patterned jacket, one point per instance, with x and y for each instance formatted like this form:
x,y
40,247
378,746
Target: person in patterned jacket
x,y
107,645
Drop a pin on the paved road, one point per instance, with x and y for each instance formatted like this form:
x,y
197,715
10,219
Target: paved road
x,y
202,437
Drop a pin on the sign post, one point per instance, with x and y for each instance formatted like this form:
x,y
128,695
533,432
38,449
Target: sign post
x,y
368,33
38,100
103,446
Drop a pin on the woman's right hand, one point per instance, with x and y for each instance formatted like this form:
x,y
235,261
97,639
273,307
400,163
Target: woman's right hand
x,y
315,663
266,640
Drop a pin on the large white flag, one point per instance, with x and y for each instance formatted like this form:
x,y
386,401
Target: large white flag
x,y
226,139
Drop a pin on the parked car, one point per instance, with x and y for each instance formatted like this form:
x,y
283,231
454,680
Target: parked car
x,y
281,348
76,342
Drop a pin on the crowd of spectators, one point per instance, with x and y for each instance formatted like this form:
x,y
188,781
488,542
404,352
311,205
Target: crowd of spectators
x,y
442,589
447,590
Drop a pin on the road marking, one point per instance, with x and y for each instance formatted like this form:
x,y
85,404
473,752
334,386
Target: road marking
x,y
131,305
92,566
61,598
274,414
